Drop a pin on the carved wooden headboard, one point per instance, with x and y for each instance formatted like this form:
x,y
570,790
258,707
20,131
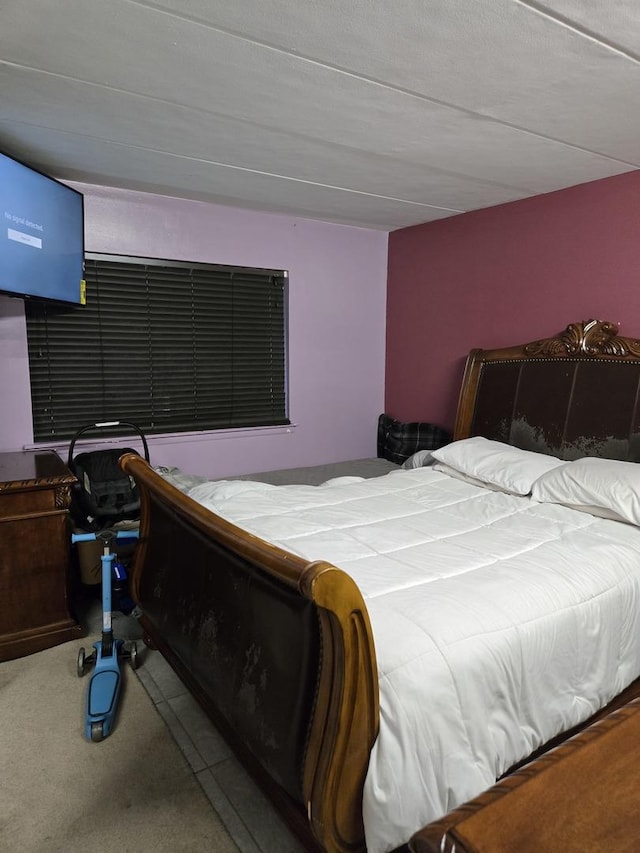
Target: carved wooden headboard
x,y
572,395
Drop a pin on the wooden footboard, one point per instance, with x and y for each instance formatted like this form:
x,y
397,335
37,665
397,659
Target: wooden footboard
x,y
278,651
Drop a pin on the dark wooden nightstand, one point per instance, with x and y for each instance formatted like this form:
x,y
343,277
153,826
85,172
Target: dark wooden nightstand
x,y
35,613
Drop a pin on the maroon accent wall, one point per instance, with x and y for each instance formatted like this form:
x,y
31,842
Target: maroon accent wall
x,y
505,275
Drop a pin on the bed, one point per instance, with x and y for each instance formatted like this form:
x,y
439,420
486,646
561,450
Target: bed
x,y
309,655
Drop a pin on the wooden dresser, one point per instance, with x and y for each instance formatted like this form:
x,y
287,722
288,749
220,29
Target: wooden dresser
x,y
35,612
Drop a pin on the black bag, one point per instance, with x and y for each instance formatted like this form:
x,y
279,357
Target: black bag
x,y
398,440
104,494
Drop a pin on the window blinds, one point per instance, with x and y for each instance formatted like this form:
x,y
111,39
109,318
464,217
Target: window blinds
x,y
171,346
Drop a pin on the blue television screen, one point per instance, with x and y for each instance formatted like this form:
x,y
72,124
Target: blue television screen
x,y
41,236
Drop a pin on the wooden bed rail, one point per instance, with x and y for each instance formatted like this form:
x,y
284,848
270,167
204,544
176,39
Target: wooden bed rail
x,y
345,721
185,548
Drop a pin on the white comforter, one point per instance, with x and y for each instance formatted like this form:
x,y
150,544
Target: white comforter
x,y
498,622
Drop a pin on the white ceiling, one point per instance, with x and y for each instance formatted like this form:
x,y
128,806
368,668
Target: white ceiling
x,y
379,113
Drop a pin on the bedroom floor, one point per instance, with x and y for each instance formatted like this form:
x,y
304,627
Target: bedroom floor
x,y
248,815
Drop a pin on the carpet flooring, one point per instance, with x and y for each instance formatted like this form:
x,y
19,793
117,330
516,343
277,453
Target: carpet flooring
x,y
60,793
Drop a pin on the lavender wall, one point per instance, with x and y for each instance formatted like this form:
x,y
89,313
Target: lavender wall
x,y
502,276
337,291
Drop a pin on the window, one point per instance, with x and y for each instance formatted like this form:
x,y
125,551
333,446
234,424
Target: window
x,y
171,346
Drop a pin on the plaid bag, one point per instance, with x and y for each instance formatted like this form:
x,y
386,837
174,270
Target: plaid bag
x,y
397,440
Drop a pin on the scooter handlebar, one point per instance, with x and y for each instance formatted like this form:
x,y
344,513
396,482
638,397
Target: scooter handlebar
x,y
91,537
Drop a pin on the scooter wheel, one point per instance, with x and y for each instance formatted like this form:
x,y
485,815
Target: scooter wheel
x,y
133,656
80,663
97,732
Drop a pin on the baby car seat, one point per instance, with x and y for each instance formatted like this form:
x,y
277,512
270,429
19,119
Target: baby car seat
x,y
103,495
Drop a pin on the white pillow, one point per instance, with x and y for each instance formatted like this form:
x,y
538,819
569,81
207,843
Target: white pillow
x,y
605,487
509,468
458,475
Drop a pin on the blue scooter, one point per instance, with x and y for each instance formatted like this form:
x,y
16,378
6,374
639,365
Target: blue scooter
x,y
103,690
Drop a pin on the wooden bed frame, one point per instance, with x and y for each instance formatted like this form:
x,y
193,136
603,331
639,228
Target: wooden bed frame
x,y
279,651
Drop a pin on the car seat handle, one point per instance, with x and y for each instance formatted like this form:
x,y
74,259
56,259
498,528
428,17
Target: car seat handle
x,y
101,425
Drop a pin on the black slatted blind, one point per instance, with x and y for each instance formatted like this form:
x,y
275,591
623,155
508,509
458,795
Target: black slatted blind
x,y
171,346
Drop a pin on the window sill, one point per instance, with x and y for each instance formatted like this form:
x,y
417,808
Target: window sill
x,y
168,438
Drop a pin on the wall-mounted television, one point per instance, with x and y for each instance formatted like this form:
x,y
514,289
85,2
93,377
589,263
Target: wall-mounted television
x,y
41,235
